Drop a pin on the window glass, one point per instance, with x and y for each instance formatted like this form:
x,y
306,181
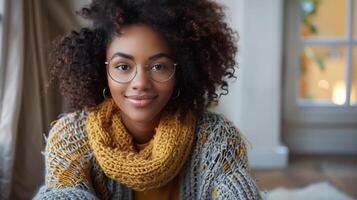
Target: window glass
x,y
355,19
322,75
323,18
353,98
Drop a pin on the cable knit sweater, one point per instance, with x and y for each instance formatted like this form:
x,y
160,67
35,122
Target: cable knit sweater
x,y
216,168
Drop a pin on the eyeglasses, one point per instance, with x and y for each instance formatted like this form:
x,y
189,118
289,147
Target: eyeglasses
x,y
124,70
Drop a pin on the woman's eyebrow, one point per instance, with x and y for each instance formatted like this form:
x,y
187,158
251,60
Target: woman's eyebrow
x,y
124,55
159,55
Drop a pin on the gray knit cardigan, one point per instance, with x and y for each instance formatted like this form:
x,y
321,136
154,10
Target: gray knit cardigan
x,y
216,168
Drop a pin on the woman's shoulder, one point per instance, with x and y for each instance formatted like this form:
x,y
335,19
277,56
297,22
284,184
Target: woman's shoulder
x,y
69,121
217,124
217,133
67,152
69,117
68,128
218,137
222,159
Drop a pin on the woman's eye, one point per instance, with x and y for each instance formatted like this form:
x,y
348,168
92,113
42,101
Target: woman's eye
x,y
122,67
158,67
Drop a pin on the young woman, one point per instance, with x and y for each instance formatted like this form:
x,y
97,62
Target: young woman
x,y
139,81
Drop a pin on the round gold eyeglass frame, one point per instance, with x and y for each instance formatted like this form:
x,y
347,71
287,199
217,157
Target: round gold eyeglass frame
x,y
136,72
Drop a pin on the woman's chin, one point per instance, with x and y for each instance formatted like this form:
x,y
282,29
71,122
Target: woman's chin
x,y
142,117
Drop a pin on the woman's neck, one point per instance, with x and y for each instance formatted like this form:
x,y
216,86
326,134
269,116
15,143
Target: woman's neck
x,y
142,132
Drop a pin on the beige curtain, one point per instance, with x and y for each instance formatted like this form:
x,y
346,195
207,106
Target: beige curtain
x,y
10,91
37,107
26,107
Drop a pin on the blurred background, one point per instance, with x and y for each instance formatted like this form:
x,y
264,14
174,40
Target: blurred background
x,y
295,98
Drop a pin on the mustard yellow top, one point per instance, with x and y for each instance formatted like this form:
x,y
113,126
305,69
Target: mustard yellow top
x,y
168,192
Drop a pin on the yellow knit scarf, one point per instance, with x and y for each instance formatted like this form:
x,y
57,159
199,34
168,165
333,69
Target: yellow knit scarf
x,y
155,165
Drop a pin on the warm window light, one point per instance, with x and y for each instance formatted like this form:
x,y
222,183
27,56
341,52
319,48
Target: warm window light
x,y
339,93
353,93
323,84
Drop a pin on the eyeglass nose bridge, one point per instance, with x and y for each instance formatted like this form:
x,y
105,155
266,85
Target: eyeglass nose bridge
x,y
145,69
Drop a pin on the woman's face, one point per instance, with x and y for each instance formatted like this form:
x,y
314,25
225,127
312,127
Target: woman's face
x,y
138,96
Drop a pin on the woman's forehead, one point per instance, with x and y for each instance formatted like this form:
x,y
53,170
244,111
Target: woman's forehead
x,y
136,39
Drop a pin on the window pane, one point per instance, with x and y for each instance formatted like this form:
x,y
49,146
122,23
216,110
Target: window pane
x,y
354,77
323,18
322,74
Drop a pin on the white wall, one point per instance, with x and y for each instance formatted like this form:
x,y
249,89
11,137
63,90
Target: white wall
x,y
254,101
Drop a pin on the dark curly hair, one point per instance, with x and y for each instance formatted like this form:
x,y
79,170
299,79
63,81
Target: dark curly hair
x,y
203,44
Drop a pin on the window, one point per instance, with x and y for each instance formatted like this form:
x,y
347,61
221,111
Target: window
x,y
320,68
327,58
321,61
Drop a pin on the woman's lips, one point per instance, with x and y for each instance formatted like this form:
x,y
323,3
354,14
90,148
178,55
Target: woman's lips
x,y
140,101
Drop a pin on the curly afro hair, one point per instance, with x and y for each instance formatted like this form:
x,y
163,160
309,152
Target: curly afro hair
x,y
203,44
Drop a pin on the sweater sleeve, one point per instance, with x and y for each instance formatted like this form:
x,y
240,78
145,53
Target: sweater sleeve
x,y
67,157
232,180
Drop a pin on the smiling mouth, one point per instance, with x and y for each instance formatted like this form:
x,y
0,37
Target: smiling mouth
x,y
140,100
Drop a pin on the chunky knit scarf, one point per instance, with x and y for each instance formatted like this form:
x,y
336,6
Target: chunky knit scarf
x,y
155,165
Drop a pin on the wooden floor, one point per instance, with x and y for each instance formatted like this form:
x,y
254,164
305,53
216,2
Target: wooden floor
x,y
341,171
